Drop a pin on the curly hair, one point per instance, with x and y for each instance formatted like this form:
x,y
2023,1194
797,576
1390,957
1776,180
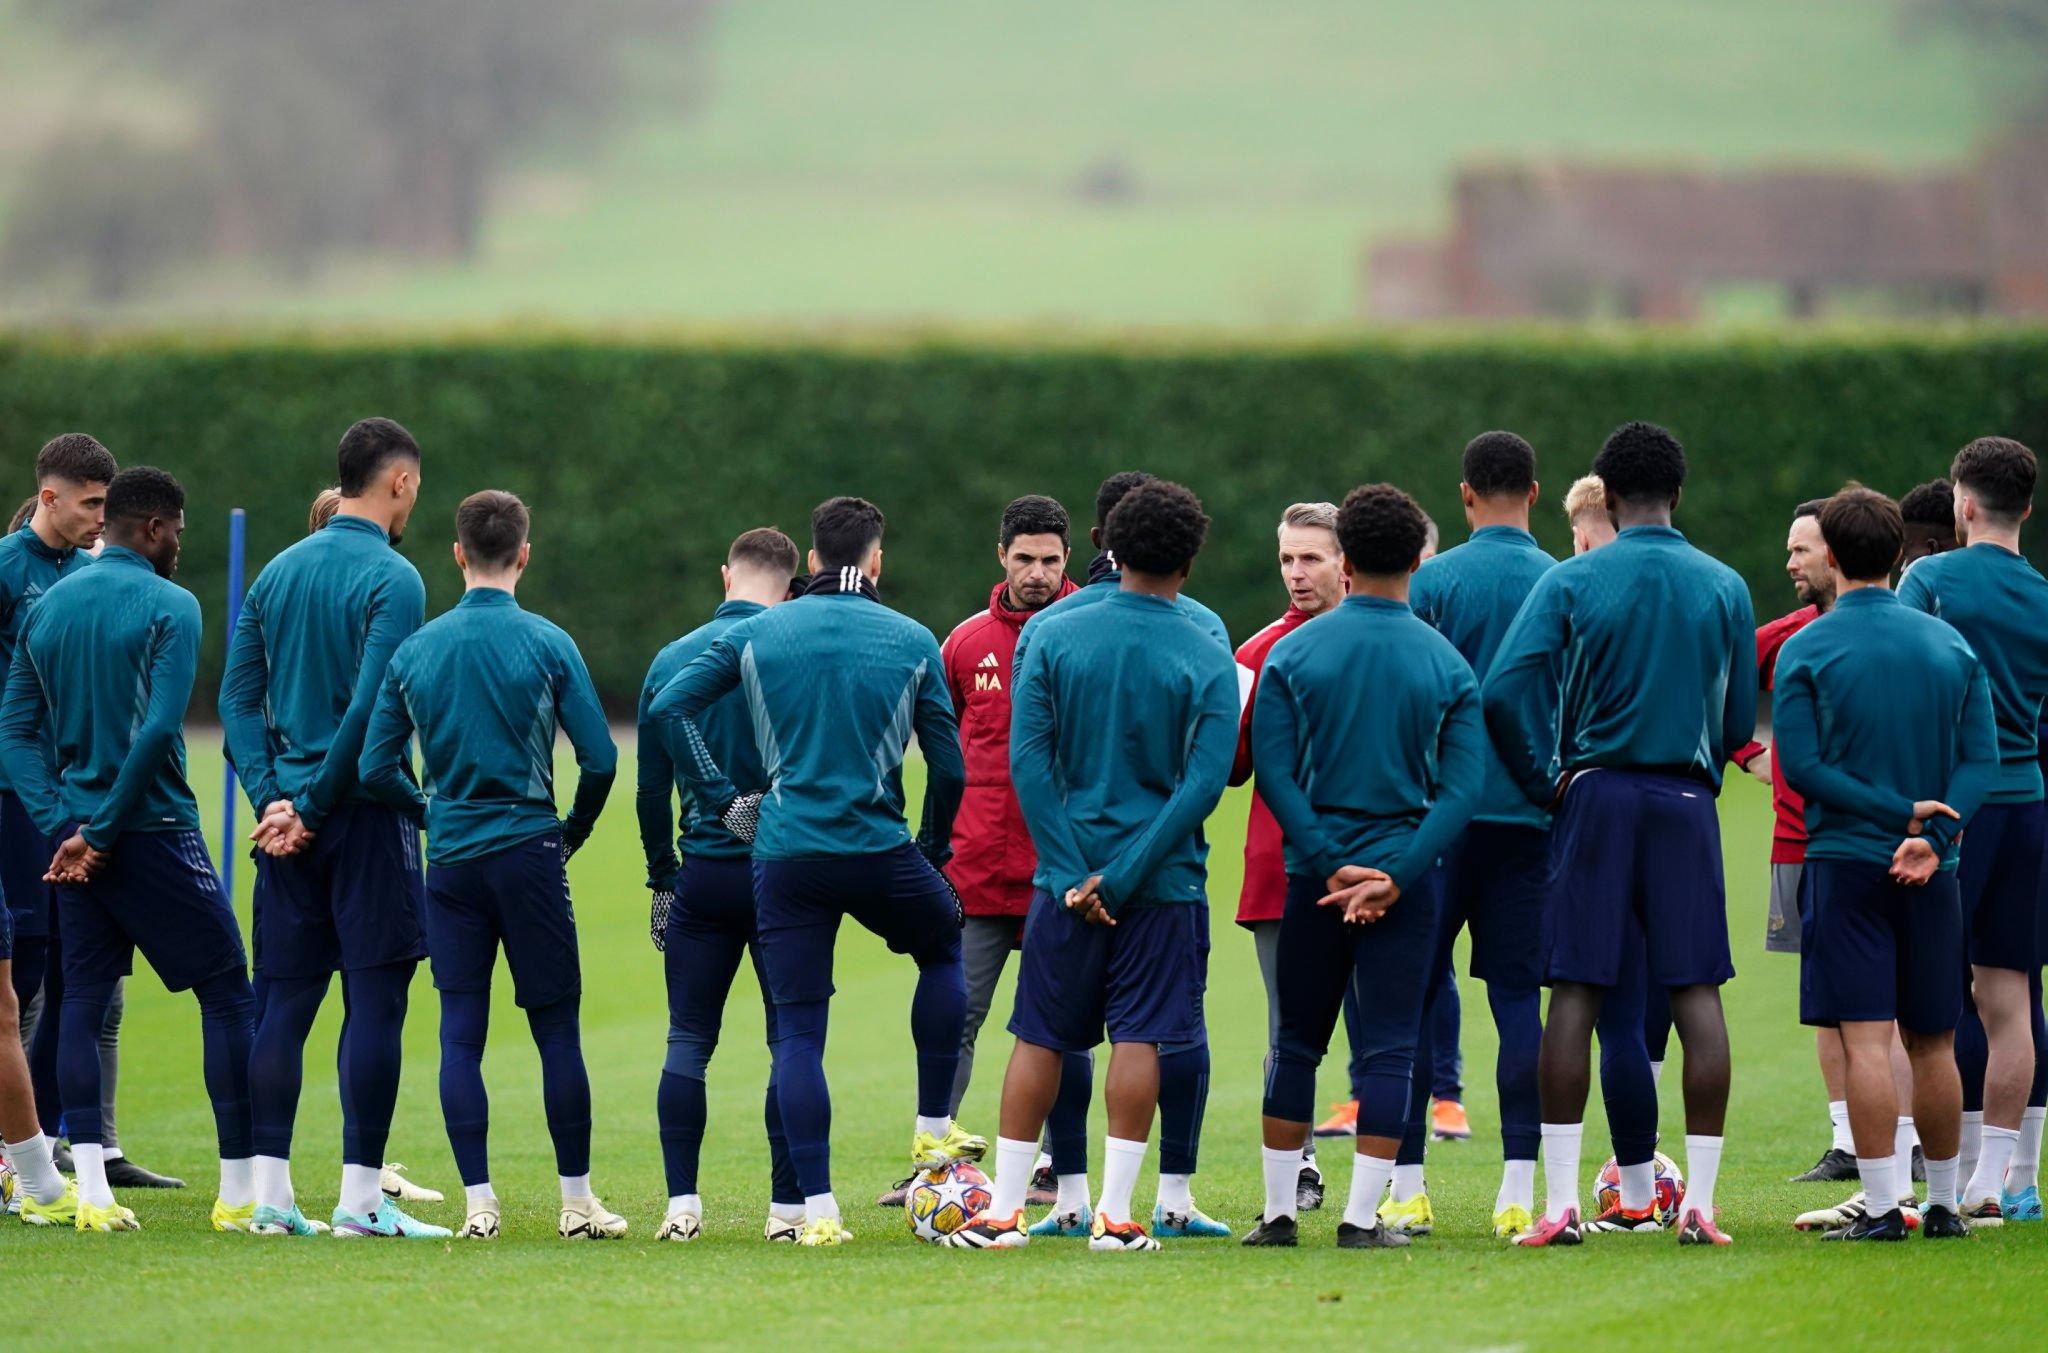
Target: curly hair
x,y
1498,464
1999,473
1641,463
1157,528
1113,490
1033,515
142,492
1930,504
1381,529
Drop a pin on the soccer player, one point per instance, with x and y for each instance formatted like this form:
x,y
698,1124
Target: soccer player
x,y
1995,599
1585,507
993,858
835,683
1929,511
703,914
486,687
1620,691
338,873
1877,710
1312,570
92,737
1123,722
1368,793
31,1183
1494,873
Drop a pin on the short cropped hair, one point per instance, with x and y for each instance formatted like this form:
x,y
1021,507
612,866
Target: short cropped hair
x,y
75,457
1112,492
2000,473
1310,516
143,492
1810,508
325,504
764,548
492,525
1498,464
1034,515
1381,529
365,449
844,530
1865,533
1930,504
1641,463
1157,528
1587,494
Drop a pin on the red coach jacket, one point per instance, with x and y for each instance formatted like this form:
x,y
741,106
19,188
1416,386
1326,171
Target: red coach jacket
x,y
1265,872
1788,837
992,853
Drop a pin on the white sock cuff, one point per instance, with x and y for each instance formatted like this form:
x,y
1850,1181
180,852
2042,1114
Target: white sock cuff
x,y
1290,1154
2000,1134
1123,1146
1013,1145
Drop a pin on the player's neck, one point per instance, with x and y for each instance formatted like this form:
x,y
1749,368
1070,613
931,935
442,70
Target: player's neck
x,y
477,581
1483,514
1844,586
1385,586
2009,541
758,594
1165,585
46,531
363,508
1627,515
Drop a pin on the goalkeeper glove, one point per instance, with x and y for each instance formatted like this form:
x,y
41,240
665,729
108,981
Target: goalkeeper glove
x,y
742,817
657,917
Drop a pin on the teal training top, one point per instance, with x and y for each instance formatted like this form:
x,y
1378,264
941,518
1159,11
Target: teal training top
x,y
728,735
1638,655
28,568
1875,706
486,686
306,662
92,729
1470,594
1380,770
834,684
1102,589
1123,725
1998,602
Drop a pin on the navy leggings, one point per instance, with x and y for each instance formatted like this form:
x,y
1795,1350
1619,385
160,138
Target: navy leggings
x,y
564,1083
227,1013
367,1060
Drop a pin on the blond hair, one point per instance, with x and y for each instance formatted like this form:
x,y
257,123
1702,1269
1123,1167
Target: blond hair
x,y
324,504
1587,495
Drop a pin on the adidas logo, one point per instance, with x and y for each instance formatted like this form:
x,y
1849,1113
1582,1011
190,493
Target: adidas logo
x,y
989,661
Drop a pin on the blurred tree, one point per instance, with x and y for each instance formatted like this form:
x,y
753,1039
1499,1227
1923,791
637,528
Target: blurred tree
x,y
2005,27
102,210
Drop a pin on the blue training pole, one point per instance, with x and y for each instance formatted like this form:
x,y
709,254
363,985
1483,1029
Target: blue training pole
x,y
238,544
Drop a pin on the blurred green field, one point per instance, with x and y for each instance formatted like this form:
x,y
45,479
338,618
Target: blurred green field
x,y
882,160
176,1283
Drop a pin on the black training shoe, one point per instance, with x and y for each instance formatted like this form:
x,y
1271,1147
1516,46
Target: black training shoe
x,y
1833,1166
123,1173
1938,1223
1919,1166
1044,1190
1308,1190
1890,1226
896,1194
1280,1231
1351,1237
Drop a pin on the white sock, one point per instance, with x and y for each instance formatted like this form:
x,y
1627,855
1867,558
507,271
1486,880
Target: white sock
x,y
114,1153
90,1162
1989,1176
472,1194
575,1186
237,1182
1639,1185
1073,1196
1013,1176
1408,1182
1657,1073
1517,1186
1880,1183
35,1167
938,1127
1561,1168
1702,1166
1838,1117
692,1204
790,1212
1282,1169
1121,1159
362,1188
820,1207
1941,1183
274,1182
1973,1142
1370,1176
1903,1137
1176,1192
1044,1162
2025,1171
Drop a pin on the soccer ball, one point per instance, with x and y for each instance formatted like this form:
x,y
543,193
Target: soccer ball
x,y
1669,1184
941,1201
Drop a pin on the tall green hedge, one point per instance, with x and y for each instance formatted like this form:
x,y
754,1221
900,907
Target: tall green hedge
x,y
642,457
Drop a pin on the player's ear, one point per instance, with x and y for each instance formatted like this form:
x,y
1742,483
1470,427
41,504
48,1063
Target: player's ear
x,y
811,561
725,578
1535,488
461,559
525,553
874,568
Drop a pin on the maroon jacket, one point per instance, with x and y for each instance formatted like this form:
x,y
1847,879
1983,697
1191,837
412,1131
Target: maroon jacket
x,y
993,857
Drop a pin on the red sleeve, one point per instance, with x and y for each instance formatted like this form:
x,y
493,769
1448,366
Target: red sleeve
x,y
947,651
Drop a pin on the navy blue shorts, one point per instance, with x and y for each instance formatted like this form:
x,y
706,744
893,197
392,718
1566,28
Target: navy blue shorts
x,y
517,897
351,900
1142,979
1638,845
1875,949
25,856
158,893
1494,882
895,894
6,935
1387,965
2000,878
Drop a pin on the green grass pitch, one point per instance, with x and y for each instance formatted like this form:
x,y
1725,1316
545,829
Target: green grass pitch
x,y
176,1283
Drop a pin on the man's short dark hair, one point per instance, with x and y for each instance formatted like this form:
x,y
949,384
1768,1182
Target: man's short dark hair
x,y
844,530
1498,464
1381,529
365,449
1112,492
143,492
1157,528
1641,463
492,525
1034,515
1865,533
1999,473
764,548
1810,508
75,457
1930,504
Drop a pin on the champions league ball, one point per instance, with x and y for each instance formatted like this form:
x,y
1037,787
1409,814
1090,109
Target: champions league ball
x,y
1668,1182
940,1201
